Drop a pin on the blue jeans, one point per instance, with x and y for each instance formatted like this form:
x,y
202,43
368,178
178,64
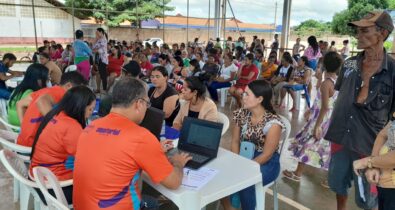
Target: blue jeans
x,y
212,88
313,64
270,171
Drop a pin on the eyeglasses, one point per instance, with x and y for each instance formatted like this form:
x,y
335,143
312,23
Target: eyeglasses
x,y
147,102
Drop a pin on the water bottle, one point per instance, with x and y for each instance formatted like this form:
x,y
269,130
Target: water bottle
x,y
163,131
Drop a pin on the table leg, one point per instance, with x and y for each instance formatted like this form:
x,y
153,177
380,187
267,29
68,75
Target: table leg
x,y
260,196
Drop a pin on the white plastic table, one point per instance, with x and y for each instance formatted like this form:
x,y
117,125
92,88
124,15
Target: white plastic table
x,y
234,174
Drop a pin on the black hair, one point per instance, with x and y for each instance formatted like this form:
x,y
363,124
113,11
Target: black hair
x,y
79,34
34,73
177,53
196,83
287,58
333,43
74,77
9,56
73,104
332,62
286,53
68,47
162,70
164,57
264,89
179,61
305,60
41,49
196,65
59,46
312,40
119,53
45,41
101,30
345,41
136,90
250,56
45,55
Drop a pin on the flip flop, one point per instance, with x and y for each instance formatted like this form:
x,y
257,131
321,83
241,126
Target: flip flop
x,y
291,176
325,184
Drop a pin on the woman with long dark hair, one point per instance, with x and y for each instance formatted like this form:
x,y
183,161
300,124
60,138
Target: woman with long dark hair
x,y
100,48
36,77
115,62
312,52
258,125
162,95
57,136
197,105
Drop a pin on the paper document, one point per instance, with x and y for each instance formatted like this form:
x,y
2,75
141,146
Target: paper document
x,y
361,189
196,179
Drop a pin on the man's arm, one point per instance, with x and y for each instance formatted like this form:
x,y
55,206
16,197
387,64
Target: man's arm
x,y
21,107
173,181
45,103
4,77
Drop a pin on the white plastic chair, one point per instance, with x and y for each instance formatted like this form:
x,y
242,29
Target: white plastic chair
x,y
222,118
16,167
44,177
3,108
7,140
8,126
284,137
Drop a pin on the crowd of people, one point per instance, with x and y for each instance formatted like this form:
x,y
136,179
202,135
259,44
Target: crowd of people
x,y
349,119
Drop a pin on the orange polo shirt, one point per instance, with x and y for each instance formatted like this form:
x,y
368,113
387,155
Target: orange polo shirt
x,y
57,141
111,153
33,117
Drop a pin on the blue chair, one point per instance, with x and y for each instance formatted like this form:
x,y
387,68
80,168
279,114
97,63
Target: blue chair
x,y
297,88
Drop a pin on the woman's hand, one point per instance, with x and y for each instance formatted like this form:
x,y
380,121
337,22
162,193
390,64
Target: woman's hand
x,y
373,175
317,132
360,165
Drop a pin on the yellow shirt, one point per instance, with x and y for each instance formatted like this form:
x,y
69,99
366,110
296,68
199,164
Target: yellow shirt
x,y
269,70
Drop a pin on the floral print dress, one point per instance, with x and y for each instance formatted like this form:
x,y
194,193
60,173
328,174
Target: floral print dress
x,y
304,147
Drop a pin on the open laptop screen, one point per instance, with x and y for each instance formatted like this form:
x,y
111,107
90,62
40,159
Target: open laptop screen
x,y
203,136
200,136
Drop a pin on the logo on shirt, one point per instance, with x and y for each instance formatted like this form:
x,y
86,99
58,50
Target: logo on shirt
x,y
351,66
37,120
108,131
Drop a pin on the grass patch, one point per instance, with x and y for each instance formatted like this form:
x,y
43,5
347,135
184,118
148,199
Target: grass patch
x,y
17,49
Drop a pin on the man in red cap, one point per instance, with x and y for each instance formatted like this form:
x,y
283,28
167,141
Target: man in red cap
x,y
364,105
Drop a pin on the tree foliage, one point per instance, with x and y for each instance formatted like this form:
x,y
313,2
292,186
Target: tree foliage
x,y
356,10
312,27
119,11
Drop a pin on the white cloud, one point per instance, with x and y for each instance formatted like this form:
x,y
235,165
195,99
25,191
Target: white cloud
x,y
262,11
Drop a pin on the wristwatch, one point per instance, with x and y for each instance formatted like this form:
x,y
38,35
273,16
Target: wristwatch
x,y
370,162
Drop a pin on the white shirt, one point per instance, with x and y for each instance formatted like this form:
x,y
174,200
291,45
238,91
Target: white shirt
x,y
201,64
284,71
227,71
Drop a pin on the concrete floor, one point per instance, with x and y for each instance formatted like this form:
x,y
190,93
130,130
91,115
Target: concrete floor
x,y
308,194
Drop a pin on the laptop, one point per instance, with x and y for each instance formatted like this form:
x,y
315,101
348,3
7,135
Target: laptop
x,y
200,139
153,121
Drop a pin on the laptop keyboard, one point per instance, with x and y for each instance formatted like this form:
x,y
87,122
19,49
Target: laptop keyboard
x,y
196,157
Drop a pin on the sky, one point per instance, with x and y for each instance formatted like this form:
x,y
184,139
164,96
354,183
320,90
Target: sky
x,y
263,11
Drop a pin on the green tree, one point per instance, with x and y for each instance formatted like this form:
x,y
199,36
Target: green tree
x,y
356,10
119,11
312,27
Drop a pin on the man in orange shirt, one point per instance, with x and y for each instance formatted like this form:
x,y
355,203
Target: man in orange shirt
x,y
31,109
113,150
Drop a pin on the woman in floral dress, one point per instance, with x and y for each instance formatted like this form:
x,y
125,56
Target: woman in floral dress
x,y
309,147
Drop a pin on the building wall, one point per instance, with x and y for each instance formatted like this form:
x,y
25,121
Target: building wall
x,y
52,24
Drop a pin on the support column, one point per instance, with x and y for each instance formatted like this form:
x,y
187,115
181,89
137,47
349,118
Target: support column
x,y
217,20
285,25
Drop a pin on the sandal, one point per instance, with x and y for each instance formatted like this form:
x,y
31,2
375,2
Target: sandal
x,y
291,176
324,183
